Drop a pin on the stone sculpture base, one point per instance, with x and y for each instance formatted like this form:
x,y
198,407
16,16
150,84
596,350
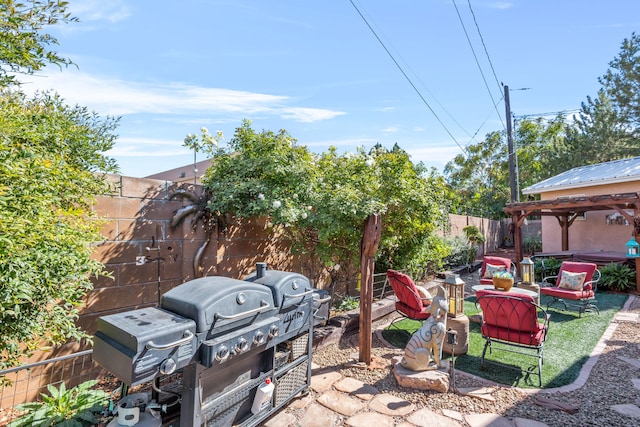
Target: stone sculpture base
x,y
437,379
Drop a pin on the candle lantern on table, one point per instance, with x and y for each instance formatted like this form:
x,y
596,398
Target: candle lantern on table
x,y
527,271
455,290
457,320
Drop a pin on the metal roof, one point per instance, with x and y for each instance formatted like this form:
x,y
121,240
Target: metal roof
x,y
623,170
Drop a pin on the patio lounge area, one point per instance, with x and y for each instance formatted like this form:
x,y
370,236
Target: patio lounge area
x,y
344,394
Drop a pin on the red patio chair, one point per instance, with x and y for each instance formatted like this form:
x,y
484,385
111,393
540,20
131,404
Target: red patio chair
x,y
577,282
492,263
510,323
409,302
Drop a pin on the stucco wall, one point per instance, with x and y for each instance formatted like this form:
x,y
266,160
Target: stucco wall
x,y
593,233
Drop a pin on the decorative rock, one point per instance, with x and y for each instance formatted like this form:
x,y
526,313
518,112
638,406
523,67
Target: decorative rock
x,y
424,380
627,409
479,392
428,418
389,404
633,362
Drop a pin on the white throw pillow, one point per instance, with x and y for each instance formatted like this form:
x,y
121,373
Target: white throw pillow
x,y
572,281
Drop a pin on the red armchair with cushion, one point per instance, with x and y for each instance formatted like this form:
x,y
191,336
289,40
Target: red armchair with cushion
x,y
492,264
409,301
511,319
577,282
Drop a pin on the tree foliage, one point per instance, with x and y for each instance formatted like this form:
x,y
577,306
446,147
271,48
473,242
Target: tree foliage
x,y
322,201
606,128
50,154
25,47
480,176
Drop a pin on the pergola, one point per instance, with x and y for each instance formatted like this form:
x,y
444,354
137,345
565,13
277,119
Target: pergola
x,y
567,209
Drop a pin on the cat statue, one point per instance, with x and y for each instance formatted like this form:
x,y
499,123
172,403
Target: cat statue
x,y
424,349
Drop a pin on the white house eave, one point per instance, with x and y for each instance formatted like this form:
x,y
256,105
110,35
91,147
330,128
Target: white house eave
x,y
581,184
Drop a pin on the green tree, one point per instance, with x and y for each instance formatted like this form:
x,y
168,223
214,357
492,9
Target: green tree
x,y
621,83
479,178
260,174
321,201
25,47
50,158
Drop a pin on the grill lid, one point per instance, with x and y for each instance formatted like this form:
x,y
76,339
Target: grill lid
x,y
288,288
216,301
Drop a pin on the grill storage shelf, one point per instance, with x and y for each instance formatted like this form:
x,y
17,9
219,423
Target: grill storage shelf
x,y
224,338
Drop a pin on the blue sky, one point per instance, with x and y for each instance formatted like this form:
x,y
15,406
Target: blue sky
x,y
316,69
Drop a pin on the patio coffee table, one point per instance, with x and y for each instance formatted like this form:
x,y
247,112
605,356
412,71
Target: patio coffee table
x,y
514,290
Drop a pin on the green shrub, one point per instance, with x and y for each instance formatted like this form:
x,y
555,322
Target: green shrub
x,y
546,267
532,244
462,252
617,277
76,407
348,303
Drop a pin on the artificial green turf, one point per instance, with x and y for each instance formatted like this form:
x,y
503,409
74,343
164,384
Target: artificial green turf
x,y
570,341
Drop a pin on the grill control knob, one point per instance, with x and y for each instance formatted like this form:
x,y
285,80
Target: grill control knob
x,y
222,354
274,330
241,345
258,338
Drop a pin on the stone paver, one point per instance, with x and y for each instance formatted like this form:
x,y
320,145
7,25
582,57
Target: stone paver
x,y
633,362
487,420
282,419
525,422
389,404
323,382
453,414
627,409
341,403
356,388
370,419
317,415
636,382
300,402
428,418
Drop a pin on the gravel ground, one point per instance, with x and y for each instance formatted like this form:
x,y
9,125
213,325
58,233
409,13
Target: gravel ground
x,y
610,382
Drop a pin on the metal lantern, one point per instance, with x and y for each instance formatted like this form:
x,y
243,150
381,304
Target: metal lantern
x,y
526,271
633,248
455,291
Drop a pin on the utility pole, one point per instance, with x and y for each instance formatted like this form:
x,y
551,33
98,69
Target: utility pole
x,y
511,151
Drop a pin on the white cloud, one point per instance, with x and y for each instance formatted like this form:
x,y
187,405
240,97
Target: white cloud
x,y
147,147
501,5
120,97
99,10
433,153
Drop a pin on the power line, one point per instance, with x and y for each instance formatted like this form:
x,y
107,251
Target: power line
x,y
495,104
484,46
407,77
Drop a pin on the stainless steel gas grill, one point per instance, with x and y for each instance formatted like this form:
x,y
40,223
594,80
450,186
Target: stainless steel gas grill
x,y
226,337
